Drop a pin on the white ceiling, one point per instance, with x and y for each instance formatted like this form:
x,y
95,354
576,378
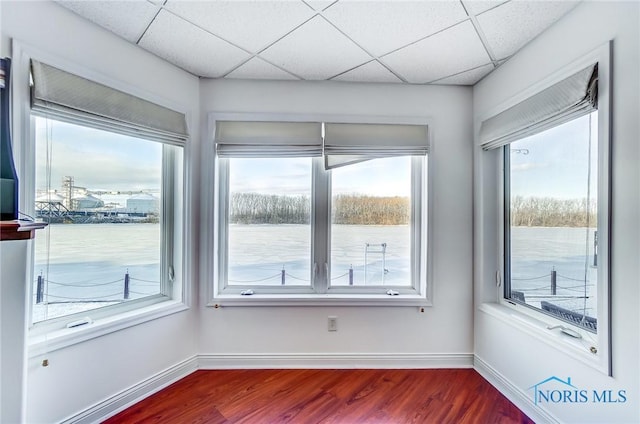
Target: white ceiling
x,y
418,42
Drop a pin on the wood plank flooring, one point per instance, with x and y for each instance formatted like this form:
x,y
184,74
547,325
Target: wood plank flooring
x,y
328,397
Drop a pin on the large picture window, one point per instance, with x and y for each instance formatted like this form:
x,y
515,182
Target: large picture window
x,y
552,227
556,204
340,216
108,182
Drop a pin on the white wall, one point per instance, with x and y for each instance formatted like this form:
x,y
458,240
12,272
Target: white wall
x,y
513,355
445,328
85,374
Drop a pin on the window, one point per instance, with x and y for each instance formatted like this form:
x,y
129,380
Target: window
x,y
108,181
551,235
555,150
302,215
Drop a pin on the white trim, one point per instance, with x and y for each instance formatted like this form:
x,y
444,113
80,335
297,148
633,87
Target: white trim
x,y
128,397
55,340
361,299
512,392
221,361
145,388
536,325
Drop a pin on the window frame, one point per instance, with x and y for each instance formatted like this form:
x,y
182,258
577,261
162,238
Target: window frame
x,y
531,319
218,294
52,334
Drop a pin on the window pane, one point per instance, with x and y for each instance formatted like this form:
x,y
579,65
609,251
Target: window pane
x,y
553,228
370,223
269,222
100,194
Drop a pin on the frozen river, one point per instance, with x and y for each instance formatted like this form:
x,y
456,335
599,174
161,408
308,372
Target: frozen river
x,y
89,262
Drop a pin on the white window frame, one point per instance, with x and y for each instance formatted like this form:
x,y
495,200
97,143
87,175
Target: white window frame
x,y
532,320
53,334
218,293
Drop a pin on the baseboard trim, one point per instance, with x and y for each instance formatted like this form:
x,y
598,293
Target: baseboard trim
x,y
337,361
120,401
518,397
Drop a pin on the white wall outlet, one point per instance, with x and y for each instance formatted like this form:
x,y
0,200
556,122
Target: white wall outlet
x,y
333,324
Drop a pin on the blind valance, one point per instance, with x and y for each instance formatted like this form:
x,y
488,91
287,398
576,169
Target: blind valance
x,y
254,139
62,95
351,143
568,99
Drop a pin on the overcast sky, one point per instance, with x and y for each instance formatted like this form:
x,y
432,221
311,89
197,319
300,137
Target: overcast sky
x,y
555,165
97,160
556,162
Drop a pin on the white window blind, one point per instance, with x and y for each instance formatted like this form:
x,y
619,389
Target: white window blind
x,y
568,99
67,97
351,143
255,139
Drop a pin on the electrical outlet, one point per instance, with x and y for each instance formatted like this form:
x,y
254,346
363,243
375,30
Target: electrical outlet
x,y
333,323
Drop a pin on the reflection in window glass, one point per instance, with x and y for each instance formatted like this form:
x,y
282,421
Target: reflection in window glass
x,y
269,232
552,234
370,223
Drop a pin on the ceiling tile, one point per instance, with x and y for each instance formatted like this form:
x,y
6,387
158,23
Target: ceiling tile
x,y
475,7
128,19
190,48
446,53
381,27
320,4
510,26
316,51
469,77
251,25
369,72
257,68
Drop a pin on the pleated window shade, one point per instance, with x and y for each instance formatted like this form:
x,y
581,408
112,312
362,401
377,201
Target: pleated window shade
x,y
564,101
256,139
351,143
67,97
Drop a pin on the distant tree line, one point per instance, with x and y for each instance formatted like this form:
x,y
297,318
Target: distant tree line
x,y
370,210
254,208
549,212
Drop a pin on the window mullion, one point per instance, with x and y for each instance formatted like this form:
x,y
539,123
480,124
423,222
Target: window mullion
x,y
166,220
320,216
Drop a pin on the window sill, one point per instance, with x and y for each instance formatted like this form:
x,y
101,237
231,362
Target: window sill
x,y
578,349
319,300
60,339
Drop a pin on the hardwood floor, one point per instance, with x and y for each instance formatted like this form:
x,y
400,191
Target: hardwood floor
x,y
326,396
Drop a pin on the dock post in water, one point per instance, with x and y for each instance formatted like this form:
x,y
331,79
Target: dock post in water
x,y
126,285
282,275
351,275
40,289
553,281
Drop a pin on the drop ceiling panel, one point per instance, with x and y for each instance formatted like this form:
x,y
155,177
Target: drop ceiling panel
x,y
251,25
257,68
428,41
319,4
316,51
128,19
510,26
468,77
475,7
447,53
371,72
381,27
190,47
